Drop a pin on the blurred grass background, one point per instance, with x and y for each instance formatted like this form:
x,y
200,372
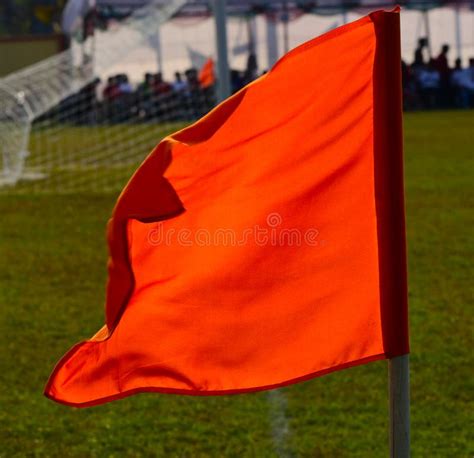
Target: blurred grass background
x,y
52,277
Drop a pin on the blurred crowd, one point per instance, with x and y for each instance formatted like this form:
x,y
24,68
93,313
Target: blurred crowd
x,y
428,83
187,97
118,100
431,83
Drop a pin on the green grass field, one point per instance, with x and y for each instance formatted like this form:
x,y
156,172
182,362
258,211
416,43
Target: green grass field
x,y
52,274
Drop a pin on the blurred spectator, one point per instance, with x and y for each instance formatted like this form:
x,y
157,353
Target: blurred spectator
x,y
144,95
429,83
192,79
442,66
455,80
463,80
111,90
409,84
179,85
146,84
441,61
419,52
124,85
159,85
251,70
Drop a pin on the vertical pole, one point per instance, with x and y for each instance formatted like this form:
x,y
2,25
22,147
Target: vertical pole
x,y
399,389
252,34
272,41
457,19
223,74
286,20
427,30
155,42
159,55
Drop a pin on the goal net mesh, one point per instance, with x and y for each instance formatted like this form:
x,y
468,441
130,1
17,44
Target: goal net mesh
x,y
74,122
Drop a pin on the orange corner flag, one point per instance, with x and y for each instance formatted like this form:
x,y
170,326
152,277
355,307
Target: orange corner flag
x,y
264,244
206,74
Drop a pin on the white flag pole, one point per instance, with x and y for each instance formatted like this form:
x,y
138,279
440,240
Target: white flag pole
x,y
399,389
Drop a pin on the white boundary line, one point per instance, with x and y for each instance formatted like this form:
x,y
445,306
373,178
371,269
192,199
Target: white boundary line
x,y
279,422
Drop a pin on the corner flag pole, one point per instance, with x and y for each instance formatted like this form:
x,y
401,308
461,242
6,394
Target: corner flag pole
x,y
399,388
223,76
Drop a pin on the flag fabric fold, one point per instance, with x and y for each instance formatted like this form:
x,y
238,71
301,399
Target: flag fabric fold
x,y
264,244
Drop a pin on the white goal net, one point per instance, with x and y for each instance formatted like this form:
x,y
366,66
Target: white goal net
x,y
77,122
